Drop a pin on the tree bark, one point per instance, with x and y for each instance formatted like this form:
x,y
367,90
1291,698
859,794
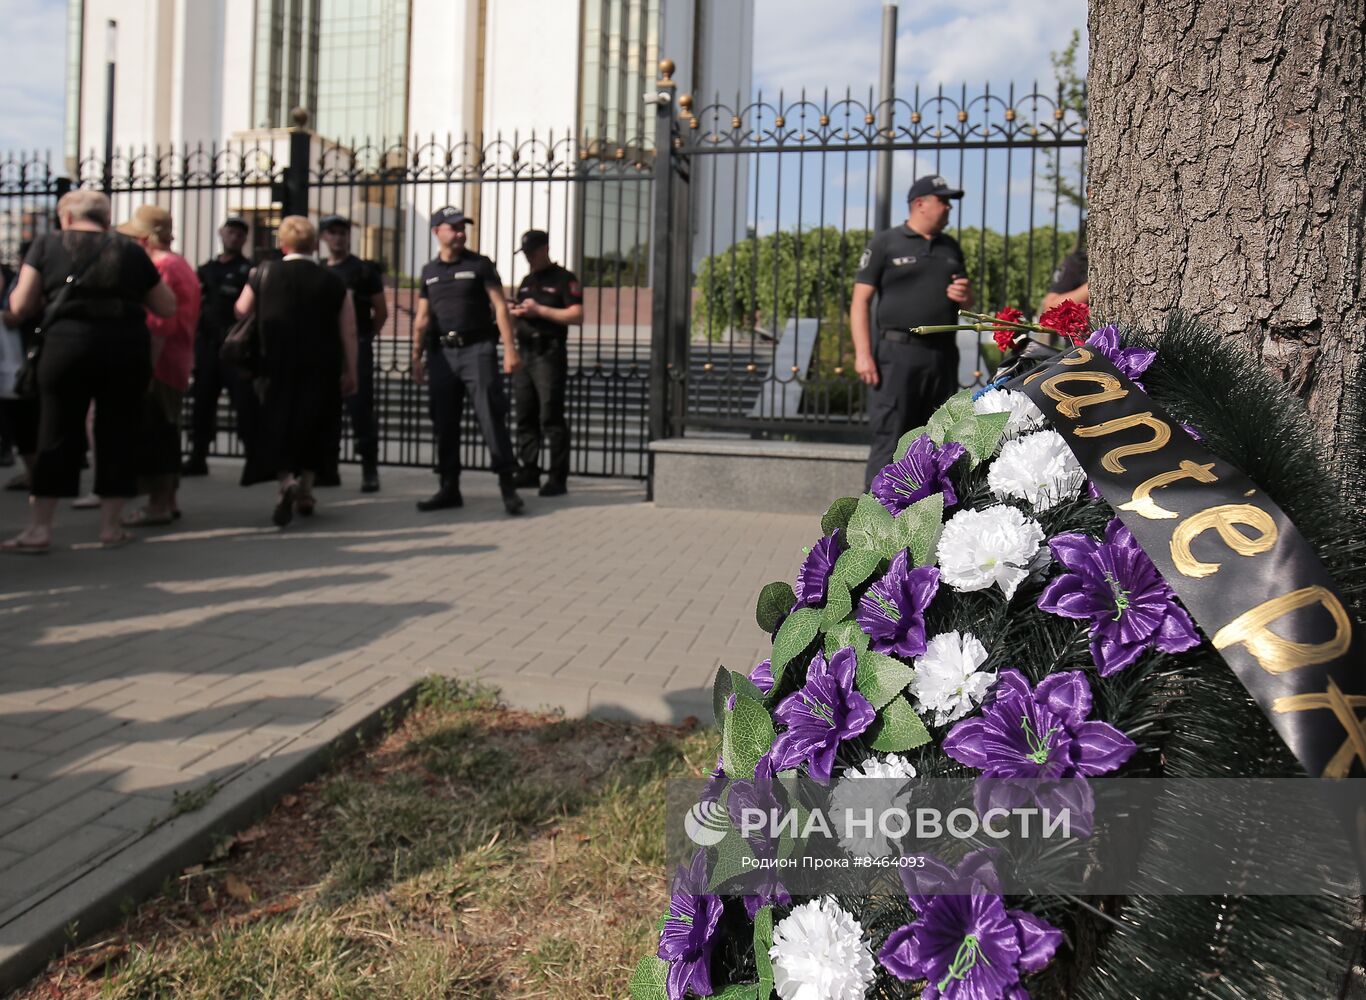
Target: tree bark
x,y
1227,171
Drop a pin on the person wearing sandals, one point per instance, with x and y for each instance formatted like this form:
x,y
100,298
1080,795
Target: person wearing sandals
x,y
307,329
172,358
95,346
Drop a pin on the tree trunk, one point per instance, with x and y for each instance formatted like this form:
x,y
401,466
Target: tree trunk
x,y
1228,180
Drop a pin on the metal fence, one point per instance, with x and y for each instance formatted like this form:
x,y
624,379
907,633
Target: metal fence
x,y
717,278
755,335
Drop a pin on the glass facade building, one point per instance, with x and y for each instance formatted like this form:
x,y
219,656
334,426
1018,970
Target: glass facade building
x,y
344,60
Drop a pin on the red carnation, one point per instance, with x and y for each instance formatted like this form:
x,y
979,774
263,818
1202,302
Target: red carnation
x,y
1005,338
1071,319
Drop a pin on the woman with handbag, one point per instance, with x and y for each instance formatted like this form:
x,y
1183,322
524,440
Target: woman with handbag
x,y
93,346
306,350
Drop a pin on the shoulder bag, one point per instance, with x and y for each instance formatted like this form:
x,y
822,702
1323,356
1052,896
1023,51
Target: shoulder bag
x,y
26,381
243,346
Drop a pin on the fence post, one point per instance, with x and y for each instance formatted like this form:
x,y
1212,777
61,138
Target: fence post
x,y
296,173
661,269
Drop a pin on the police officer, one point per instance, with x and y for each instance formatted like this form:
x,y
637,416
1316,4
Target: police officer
x,y
548,300
918,274
1069,278
220,283
461,314
367,292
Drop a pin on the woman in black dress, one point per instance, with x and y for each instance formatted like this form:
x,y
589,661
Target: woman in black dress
x,y
96,348
308,336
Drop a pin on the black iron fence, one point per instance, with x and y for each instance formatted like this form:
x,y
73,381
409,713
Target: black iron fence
x,y
717,278
755,337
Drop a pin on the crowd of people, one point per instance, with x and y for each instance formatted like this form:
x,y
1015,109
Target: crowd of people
x,y
117,328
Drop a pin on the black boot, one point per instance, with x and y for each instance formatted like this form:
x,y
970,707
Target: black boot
x,y
553,488
195,465
507,485
526,477
446,497
369,477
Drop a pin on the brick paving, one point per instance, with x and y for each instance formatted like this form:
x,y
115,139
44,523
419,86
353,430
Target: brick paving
x,y
132,679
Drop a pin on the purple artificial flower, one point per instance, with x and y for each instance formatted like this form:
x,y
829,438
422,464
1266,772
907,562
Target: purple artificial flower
x,y
1039,734
1131,361
1115,585
892,611
765,794
814,576
824,713
689,933
966,946
716,781
762,675
923,470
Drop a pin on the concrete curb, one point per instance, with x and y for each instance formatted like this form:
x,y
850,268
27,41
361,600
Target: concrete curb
x,y
97,898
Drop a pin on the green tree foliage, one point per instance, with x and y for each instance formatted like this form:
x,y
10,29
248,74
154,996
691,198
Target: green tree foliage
x,y
763,282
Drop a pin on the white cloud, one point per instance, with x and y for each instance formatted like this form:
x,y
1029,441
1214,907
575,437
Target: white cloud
x,y
796,44
33,86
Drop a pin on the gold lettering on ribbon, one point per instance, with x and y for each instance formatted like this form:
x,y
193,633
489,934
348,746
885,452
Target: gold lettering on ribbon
x,y
1225,520
1145,506
1070,405
1276,655
1161,435
1344,707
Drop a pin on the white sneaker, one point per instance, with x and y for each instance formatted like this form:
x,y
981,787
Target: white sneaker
x,y
86,502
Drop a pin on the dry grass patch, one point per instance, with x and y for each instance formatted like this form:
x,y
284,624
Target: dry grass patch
x,y
474,851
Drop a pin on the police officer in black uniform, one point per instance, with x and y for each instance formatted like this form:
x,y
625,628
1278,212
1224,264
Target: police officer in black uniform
x,y
548,300
918,274
220,283
461,314
1069,279
367,292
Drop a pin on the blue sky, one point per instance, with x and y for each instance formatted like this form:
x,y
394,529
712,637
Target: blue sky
x,y
811,43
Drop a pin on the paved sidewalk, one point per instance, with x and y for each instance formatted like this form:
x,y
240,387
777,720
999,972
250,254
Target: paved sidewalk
x,y
204,665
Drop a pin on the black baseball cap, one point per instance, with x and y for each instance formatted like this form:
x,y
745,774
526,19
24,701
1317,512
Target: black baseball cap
x,y
237,222
533,238
449,216
932,184
329,221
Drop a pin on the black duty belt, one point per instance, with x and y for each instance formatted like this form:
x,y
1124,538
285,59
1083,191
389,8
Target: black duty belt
x,y
465,338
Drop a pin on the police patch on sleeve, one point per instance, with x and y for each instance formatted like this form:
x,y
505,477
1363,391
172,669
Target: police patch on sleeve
x,y
867,256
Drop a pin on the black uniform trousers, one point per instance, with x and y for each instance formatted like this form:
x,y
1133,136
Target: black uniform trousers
x,y
452,372
211,377
914,379
360,406
538,391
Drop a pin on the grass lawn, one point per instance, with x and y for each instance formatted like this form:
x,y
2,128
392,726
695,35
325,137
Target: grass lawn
x,y
473,851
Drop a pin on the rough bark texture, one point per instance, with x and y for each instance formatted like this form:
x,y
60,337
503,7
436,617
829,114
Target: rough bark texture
x,y
1228,180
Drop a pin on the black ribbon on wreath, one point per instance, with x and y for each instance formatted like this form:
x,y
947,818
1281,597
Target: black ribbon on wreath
x,y
1247,576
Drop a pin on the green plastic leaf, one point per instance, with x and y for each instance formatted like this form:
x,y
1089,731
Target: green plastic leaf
x,y
796,634
899,728
838,603
980,434
733,858
919,527
837,515
903,445
650,981
845,634
958,406
745,737
742,685
775,600
880,677
854,566
740,991
871,528
721,688
763,941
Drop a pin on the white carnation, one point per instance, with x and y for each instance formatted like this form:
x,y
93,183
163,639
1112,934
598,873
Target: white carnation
x,y
983,547
819,953
1039,468
947,680
857,798
1024,415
